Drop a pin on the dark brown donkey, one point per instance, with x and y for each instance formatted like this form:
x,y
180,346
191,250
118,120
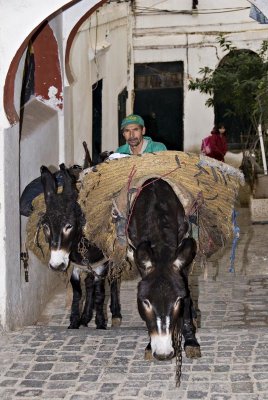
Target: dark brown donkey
x,y
163,253
63,228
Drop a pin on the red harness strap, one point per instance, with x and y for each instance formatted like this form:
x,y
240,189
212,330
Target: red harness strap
x,y
198,202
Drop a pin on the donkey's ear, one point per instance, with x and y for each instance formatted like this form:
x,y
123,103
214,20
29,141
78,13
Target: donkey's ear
x,y
185,254
69,187
48,182
144,259
62,167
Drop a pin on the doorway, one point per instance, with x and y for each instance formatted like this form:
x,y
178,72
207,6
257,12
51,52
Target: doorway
x,y
96,120
122,102
159,100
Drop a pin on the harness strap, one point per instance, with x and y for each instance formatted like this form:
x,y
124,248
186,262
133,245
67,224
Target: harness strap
x,y
90,268
24,256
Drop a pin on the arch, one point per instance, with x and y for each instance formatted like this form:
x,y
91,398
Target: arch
x,y
71,37
238,125
9,86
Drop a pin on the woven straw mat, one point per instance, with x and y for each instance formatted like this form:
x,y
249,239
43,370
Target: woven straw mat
x,y
212,184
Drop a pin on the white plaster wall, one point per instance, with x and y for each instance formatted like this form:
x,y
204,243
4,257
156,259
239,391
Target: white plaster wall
x,y
71,16
39,145
3,271
109,43
261,5
62,25
194,20
192,39
115,80
81,96
11,304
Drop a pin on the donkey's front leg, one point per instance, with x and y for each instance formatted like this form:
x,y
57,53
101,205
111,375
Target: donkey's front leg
x,y
148,356
191,345
99,303
115,306
89,303
77,294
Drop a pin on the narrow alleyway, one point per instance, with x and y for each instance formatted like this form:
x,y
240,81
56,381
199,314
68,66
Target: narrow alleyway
x,y
47,361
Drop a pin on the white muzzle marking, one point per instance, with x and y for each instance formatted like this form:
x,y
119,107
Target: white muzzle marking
x,y
59,257
162,345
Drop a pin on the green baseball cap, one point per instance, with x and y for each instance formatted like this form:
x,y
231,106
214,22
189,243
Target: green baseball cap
x,y
132,119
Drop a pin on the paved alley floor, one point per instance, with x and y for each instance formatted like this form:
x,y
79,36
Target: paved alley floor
x,y
47,361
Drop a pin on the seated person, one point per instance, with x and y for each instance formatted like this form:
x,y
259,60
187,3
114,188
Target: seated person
x,y
133,130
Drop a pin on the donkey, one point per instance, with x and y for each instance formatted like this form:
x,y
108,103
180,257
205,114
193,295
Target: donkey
x,y
163,253
62,226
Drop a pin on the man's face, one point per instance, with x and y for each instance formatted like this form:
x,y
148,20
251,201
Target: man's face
x,y
133,133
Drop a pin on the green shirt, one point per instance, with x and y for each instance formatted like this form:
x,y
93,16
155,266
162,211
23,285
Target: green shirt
x,y
151,147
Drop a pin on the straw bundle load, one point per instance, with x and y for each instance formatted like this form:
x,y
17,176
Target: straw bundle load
x,y
207,188
200,182
35,239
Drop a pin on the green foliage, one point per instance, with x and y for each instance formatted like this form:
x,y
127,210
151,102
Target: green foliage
x,y
240,83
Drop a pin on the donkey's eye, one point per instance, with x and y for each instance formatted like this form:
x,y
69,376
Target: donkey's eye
x,y
147,304
67,228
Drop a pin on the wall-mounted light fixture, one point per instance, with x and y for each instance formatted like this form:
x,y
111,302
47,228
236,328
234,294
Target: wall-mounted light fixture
x,y
194,5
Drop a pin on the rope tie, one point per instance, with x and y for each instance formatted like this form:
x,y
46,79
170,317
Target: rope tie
x,y
198,202
236,231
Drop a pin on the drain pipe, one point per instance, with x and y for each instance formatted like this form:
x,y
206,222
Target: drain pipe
x,y
262,150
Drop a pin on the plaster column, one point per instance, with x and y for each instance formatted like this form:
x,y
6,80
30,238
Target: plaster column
x,y
10,304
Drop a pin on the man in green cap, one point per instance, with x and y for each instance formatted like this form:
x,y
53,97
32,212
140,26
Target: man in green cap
x,y
133,130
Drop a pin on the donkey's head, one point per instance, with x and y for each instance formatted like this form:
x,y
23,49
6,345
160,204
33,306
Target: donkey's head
x,y
160,294
63,220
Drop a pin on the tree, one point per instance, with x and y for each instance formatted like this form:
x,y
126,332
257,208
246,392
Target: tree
x,y
240,86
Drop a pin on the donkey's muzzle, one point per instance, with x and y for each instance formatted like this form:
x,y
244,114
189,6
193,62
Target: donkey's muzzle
x,y
163,357
59,260
59,268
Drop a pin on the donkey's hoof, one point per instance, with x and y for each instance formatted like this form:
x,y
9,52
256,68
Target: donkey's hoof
x,y
101,326
192,351
73,326
148,356
116,322
84,320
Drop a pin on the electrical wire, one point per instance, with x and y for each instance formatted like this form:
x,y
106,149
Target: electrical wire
x,y
154,11
94,47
